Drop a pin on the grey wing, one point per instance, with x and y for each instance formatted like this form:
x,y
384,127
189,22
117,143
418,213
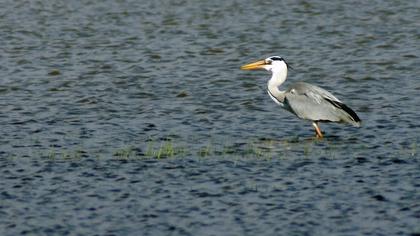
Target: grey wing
x,y
314,103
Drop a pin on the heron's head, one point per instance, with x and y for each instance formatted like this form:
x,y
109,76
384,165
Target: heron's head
x,y
274,64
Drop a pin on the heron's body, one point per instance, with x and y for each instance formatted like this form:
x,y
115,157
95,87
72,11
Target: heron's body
x,y
305,100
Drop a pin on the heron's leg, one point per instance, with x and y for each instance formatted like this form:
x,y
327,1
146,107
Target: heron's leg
x,y
317,130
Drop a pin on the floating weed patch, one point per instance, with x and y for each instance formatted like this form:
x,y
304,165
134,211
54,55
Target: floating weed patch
x,y
287,148
205,151
125,152
66,154
165,149
259,151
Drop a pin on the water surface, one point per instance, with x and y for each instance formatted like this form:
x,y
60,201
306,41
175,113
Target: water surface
x,y
93,92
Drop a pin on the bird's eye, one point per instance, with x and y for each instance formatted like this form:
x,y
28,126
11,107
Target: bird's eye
x,y
268,61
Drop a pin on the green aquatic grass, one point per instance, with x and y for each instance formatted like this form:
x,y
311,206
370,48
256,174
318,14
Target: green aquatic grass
x,y
205,151
164,149
65,154
125,152
254,148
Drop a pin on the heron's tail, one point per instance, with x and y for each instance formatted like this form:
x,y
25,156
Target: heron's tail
x,y
352,117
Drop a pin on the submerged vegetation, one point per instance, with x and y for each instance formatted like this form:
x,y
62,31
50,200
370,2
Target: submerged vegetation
x,y
261,148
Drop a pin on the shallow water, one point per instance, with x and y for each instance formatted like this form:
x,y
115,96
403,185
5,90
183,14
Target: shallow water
x,y
133,118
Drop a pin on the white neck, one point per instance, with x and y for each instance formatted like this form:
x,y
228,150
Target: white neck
x,y
278,77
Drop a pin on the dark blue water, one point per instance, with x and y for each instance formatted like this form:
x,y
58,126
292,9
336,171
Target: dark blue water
x,y
133,118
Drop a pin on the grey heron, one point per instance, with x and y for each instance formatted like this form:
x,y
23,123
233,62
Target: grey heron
x,y
306,101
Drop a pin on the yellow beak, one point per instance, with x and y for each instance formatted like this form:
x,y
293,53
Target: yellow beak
x,y
253,66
